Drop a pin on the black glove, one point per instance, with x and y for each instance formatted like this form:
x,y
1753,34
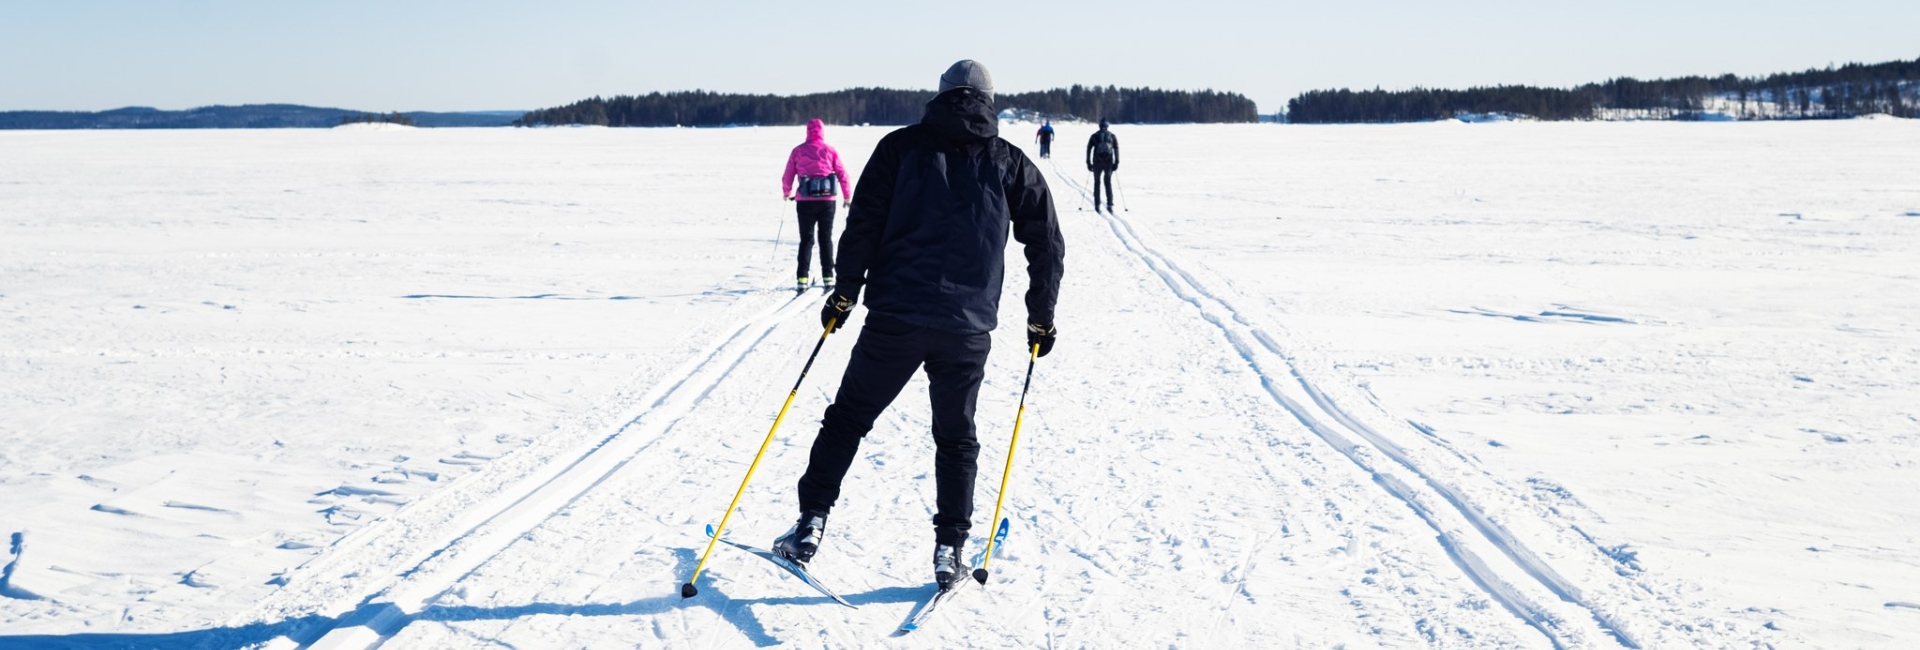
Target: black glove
x,y
835,314
1042,335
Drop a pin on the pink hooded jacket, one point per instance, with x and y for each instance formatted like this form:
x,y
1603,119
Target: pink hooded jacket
x,y
815,158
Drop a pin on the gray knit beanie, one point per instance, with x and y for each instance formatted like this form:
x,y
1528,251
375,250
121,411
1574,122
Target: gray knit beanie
x,y
968,73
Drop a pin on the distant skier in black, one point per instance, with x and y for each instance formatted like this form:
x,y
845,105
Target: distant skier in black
x,y
1045,138
927,235
1103,157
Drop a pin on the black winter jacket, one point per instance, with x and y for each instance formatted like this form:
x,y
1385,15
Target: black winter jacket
x,y
927,233
1093,143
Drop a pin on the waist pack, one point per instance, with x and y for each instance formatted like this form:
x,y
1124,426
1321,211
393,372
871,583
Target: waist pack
x,y
818,186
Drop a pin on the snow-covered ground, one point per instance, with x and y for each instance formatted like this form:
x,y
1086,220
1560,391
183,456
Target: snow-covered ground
x,y
1534,385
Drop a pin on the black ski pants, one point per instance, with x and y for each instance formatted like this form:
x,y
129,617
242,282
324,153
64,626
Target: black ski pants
x,y
1046,148
1102,174
816,216
885,357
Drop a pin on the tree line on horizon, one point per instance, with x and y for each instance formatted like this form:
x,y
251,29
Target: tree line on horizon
x,y
1823,93
886,106
249,116
395,117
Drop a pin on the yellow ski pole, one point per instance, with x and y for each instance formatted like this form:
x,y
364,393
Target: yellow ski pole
x,y
688,590
1033,354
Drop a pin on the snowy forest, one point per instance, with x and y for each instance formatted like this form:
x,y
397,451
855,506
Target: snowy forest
x,y
1851,90
886,106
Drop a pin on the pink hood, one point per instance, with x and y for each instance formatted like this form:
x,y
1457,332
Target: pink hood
x,y
815,158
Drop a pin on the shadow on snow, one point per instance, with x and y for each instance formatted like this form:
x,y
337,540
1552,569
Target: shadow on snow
x,y
310,628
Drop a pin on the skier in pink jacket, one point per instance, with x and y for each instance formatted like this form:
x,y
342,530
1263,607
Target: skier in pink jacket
x,y
818,167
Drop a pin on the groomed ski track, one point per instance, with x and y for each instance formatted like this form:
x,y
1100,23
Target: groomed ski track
x,y
1314,411
1289,495
1517,574
507,513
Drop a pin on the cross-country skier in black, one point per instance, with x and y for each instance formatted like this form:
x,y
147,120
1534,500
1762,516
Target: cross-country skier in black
x,y
926,237
1045,138
1103,157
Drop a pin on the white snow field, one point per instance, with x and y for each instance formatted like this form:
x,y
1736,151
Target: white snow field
x,y
1514,385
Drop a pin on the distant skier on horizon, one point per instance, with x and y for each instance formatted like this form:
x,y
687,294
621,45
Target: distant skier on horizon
x,y
1103,158
928,239
817,164
1045,138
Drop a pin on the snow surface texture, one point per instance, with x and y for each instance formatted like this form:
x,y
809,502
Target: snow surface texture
x,y
1530,385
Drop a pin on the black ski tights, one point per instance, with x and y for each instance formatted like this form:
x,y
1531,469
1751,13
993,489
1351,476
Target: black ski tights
x,y
816,216
885,357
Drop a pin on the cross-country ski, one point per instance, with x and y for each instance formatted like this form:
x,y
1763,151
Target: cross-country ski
x,y
789,566
937,595
940,594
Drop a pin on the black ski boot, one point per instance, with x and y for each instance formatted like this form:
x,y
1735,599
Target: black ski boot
x,y
800,543
947,566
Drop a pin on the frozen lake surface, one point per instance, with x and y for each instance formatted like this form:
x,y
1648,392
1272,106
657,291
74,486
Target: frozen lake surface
x,y
1528,385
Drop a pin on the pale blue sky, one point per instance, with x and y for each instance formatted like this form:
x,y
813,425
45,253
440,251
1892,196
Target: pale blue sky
x,y
488,54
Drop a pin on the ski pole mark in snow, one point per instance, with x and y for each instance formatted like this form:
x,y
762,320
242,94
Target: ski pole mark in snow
x,y
391,601
1238,330
15,547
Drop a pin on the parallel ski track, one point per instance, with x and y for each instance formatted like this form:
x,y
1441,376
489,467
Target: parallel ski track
x,y
1260,352
389,602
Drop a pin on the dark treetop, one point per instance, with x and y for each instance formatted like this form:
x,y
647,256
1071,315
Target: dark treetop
x,y
891,107
1847,91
